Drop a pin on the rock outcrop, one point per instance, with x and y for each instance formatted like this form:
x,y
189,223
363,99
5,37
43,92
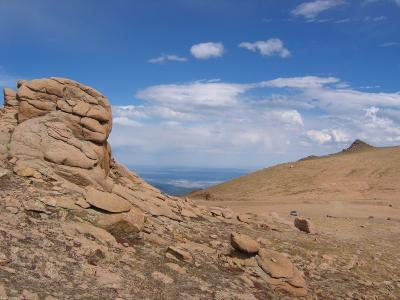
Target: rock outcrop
x,y
57,129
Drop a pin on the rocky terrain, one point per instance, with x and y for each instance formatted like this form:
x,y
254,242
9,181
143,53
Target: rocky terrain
x,y
75,224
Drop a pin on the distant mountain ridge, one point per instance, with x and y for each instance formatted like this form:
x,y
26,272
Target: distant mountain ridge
x,y
359,172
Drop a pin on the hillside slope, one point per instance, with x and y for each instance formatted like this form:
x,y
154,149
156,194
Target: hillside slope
x,y
361,172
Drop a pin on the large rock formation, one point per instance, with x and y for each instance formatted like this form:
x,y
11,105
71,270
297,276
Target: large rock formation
x,y
57,129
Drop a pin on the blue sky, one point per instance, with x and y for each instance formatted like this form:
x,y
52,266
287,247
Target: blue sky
x,y
219,83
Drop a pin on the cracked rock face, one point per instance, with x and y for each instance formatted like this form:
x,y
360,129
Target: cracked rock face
x,y
58,128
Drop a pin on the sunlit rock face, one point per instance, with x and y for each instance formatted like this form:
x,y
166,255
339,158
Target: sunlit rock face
x,y
58,127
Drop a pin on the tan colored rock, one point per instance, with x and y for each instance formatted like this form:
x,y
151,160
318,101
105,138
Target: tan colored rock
x,y
244,243
107,201
162,278
304,225
29,295
275,264
179,254
57,127
3,292
245,218
82,203
132,221
10,97
87,228
176,268
283,275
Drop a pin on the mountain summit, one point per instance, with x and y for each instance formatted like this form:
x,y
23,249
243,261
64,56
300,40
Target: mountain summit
x,y
358,145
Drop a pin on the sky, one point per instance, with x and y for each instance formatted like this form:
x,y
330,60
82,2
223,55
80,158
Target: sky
x,y
219,83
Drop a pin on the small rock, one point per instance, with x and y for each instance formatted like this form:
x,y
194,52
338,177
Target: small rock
x,y
28,295
3,292
244,243
82,203
162,278
244,218
12,209
27,172
176,268
35,206
304,225
179,254
4,172
293,213
95,257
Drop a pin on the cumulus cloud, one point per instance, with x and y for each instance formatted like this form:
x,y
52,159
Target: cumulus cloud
x,y
269,47
167,57
292,117
311,10
203,94
326,136
207,50
216,123
300,82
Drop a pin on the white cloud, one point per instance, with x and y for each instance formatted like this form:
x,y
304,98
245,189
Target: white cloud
x,y
269,47
167,57
311,10
205,94
326,136
126,122
216,123
318,136
207,50
300,82
292,117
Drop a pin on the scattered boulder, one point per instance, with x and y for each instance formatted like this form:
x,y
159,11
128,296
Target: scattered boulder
x,y
304,225
281,273
107,201
132,221
178,253
275,264
244,243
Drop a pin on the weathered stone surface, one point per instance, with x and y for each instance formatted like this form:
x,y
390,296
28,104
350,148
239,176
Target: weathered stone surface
x,y
107,201
244,243
275,264
57,127
132,221
304,225
283,275
179,253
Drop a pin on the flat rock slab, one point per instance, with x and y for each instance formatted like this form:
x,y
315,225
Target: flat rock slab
x,y
275,264
107,201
